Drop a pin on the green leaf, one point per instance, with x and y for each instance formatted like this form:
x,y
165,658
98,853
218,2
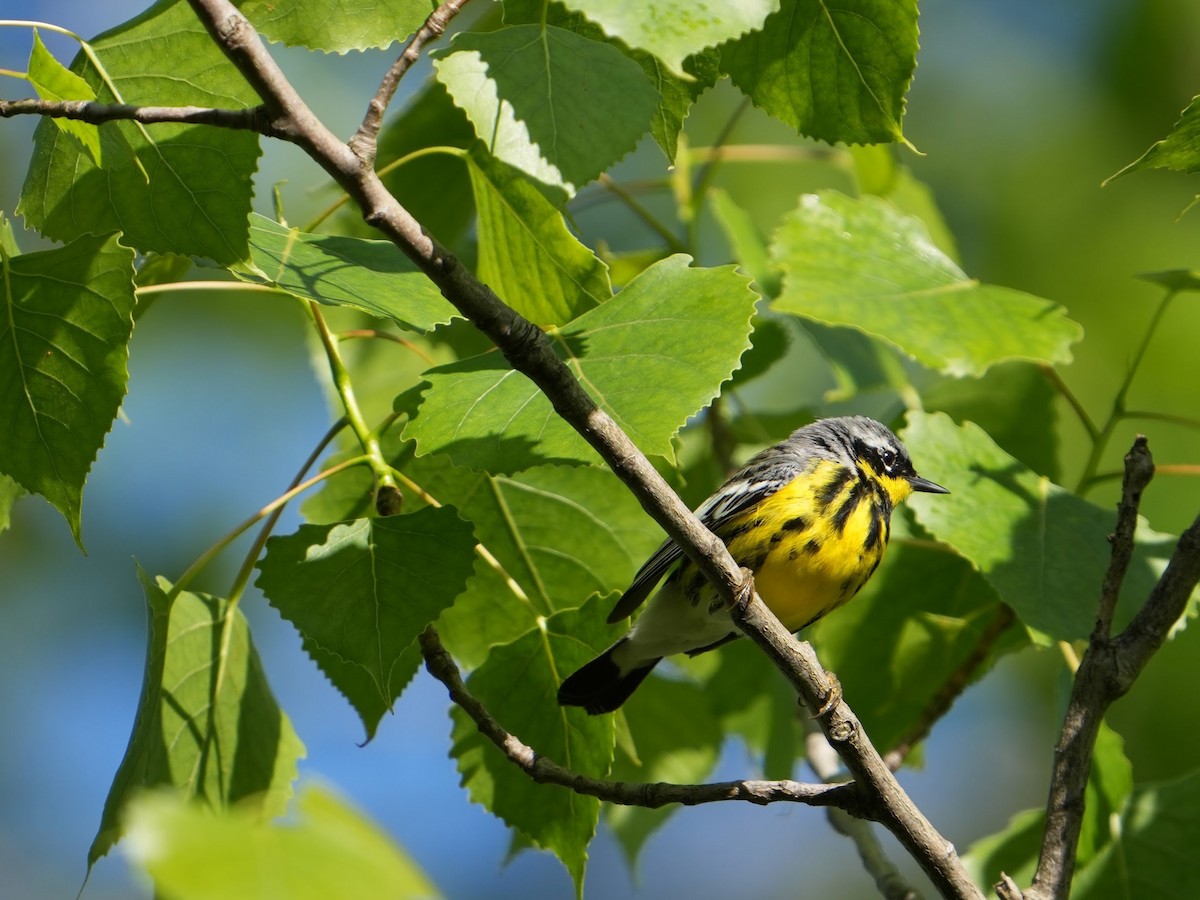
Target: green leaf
x,y
336,26
862,264
364,590
207,723
675,29
906,635
9,492
650,357
526,253
677,92
1014,850
747,243
1179,150
53,81
64,335
188,188
555,105
329,852
1176,280
678,741
1042,548
519,684
833,73
373,276
1151,854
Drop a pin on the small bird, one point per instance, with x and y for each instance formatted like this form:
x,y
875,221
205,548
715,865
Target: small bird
x,y
809,516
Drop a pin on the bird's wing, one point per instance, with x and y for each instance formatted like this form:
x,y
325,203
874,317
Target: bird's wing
x,y
733,498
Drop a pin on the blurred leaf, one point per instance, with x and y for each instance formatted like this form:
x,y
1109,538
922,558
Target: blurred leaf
x,y
678,741
1179,150
373,276
677,92
1152,848
207,723
1042,548
859,362
832,73
189,187
329,852
519,684
624,267
650,357
748,245
1175,279
861,263
364,590
335,26
1013,402
526,253
1014,850
898,643
54,82
67,315
9,492
768,343
549,102
675,29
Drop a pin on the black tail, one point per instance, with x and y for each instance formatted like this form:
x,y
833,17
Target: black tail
x,y
599,687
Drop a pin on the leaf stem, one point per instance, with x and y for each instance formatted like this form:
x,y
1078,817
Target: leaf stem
x,y
648,218
385,336
1059,385
380,468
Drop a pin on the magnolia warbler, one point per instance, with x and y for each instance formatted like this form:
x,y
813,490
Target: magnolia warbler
x,y
810,517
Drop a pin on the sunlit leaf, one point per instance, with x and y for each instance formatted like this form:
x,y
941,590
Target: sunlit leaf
x,y
1179,150
834,73
336,26
549,102
859,262
373,276
184,188
651,357
329,852
207,723
65,319
53,81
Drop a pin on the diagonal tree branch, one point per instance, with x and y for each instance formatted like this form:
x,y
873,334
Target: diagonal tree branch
x,y
95,113
545,771
1108,670
530,352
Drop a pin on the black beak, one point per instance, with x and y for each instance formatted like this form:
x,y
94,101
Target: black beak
x,y
924,485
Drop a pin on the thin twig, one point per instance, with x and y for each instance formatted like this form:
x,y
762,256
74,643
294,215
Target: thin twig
x,y
545,771
1139,469
364,141
254,118
674,244
1051,375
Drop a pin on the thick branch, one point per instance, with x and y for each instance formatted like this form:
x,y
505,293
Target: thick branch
x,y
95,113
1107,671
894,809
545,771
363,142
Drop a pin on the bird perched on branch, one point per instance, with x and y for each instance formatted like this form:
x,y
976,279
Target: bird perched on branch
x,y
809,516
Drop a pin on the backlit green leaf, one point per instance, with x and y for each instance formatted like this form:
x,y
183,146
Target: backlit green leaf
x,y
9,492
65,319
363,590
863,264
526,253
373,276
837,73
651,357
1179,150
336,25
207,723
53,81
329,852
1042,548
188,188
549,102
518,684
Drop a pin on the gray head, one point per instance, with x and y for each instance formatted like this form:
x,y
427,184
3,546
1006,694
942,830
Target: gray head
x,y
857,441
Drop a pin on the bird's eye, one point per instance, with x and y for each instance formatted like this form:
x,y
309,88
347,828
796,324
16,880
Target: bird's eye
x,y
888,458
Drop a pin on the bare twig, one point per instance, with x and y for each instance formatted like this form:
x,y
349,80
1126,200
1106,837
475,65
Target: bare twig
x,y
364,141
1107,671
253,119
545,771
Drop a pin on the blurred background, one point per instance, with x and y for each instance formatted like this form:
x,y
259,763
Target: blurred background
x,y
1020,110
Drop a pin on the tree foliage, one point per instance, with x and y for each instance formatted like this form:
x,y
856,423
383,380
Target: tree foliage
x,y
461,500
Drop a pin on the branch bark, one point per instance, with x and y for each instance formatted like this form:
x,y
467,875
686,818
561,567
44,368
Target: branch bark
x,y
1108,670
95,113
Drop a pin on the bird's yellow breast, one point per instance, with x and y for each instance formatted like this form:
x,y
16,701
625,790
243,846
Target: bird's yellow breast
x,y
814,543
